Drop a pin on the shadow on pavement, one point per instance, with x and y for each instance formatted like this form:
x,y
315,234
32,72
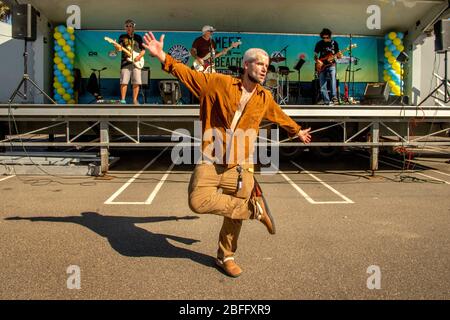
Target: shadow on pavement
x,y
132,241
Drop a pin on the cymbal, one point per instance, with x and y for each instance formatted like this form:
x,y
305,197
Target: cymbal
x,y
277,59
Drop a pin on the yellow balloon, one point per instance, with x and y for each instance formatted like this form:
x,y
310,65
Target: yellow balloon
x,y
392,35
388,54
400,48
61,66
61,91
391,59
71,101
66,72
386,78
70,55
70,30
57,60
397,41
57,35
57,85
61,42
67,97
70,79
66,48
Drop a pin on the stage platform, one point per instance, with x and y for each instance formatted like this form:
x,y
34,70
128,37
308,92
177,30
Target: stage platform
x,y
168,112
106,126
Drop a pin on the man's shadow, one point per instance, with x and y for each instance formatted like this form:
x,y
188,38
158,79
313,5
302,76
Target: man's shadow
x,y
128,239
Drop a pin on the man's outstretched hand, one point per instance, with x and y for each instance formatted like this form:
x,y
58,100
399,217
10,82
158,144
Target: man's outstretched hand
x,y
155,47
304,135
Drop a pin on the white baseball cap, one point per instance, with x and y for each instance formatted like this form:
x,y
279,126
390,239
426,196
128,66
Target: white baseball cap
x,y
208,28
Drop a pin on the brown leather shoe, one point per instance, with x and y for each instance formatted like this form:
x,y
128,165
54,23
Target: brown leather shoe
x,y
261,210
229,267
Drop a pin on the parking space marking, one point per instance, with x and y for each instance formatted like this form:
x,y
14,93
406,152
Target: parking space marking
x,y
398,167
6,178
308,197
129,182
418,163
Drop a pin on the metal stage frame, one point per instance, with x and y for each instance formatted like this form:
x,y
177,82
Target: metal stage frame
x,y
353,121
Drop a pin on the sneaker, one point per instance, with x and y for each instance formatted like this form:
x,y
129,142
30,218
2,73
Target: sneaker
x,y
330,104
335,100
123,101
229,266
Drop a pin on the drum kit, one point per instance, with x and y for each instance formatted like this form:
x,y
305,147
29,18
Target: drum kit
x,y
277,81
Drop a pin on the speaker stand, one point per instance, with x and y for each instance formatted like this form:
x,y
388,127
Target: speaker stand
x,y
25,79
444,83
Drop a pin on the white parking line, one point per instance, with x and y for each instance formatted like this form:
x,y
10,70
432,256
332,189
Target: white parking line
x,y
398,167
418,163
307,197
6,178
127,184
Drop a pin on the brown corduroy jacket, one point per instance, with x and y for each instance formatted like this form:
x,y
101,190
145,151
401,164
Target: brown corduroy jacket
x,y
219,97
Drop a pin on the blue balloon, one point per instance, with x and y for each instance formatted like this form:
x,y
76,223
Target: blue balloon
x,y
58,48
400,35
66,85
70,43
57,96
61,28
69,66
65,60
392,47
66,36
387,66
388,42
61,78
69,91
395,53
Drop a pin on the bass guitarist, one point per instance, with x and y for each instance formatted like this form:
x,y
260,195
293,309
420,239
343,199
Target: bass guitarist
x,y
325,53
203,46
133,43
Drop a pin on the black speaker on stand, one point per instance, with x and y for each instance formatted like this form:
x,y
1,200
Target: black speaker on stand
x,y
441,45
24,22
24,26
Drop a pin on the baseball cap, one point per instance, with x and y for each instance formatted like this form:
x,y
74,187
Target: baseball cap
x,y
208,28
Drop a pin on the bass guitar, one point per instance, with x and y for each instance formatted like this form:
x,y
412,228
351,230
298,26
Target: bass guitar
x,y
329,59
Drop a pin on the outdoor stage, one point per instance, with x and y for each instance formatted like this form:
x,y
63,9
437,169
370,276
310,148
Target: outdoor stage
x,y
117,126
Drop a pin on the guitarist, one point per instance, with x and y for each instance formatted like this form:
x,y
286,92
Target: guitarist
x,y
203,45
327,48
128,70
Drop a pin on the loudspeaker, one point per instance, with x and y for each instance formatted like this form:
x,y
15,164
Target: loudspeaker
x,y
145,76
24,22
376,92
442,36
170,91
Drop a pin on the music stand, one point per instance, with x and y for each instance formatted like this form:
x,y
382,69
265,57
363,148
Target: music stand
x,y
97,90
297,67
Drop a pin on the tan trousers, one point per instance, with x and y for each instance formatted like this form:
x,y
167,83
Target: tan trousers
x,y
212,189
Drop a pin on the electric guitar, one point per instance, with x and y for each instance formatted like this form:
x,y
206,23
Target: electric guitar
x,y
207,66
131,54
329,59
